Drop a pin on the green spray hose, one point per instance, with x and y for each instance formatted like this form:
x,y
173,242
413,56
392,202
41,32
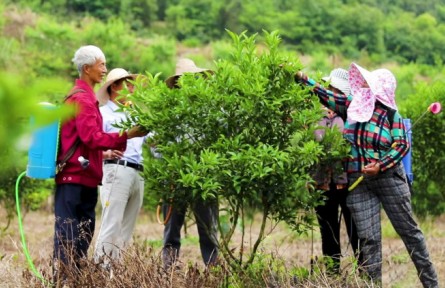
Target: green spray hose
x,y
22,233
19,214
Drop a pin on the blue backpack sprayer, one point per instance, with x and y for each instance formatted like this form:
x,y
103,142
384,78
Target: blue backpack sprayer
x,y
407,160
434,108
42,164
42,156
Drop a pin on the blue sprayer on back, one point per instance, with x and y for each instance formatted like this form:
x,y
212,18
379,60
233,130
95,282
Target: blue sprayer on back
x,y
42,153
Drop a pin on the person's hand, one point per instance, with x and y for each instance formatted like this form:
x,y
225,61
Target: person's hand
x,y
298,76
136,131
372,169
113,154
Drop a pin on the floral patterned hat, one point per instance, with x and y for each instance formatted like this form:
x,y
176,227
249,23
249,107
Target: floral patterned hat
x,y
381,87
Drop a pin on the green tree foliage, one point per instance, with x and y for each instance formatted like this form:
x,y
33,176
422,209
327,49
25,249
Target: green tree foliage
x,y
139,14
50,46
55,43
35,64
407,30
19,99
416,38
102,9
38,39
243,135
131,53
187,20
362,31
32,192
428,150
257,15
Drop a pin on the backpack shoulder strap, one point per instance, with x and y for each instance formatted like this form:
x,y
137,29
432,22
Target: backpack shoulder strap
x,y
73,148
67,156
390,115
72,93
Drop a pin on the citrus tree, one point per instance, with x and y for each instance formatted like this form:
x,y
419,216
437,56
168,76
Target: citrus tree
x,y
242,135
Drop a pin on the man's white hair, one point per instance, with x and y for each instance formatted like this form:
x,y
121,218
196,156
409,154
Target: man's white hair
x,y
87,55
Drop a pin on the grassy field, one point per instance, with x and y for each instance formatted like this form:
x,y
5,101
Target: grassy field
x,y
291,250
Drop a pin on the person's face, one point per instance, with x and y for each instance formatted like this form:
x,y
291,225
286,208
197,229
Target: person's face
x,y
329,113
129,85
119,85
97,71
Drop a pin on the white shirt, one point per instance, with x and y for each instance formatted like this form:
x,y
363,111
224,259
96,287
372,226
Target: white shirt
x,y
110,116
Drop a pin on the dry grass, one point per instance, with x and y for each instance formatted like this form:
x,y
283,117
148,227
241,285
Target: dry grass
x,y
283,254
17,21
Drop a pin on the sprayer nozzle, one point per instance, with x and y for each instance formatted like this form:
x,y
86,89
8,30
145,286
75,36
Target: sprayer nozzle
x,y
435,107
83,162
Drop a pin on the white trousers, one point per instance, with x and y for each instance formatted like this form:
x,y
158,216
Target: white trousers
x,y
121,197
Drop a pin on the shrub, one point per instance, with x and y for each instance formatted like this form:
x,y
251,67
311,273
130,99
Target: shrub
x,y
427,149
243,136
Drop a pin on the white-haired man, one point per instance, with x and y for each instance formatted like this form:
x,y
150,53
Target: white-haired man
x,y
82,142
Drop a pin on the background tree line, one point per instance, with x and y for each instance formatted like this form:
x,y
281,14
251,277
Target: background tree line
x,y
401,30
38,39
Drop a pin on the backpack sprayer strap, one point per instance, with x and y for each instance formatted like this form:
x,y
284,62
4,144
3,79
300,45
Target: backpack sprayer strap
x,y
73,148
67,156
72,93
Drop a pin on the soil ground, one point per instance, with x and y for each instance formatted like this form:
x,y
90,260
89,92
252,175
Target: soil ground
x,y
295,250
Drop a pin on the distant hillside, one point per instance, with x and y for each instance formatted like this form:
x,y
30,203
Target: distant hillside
x,y
401,30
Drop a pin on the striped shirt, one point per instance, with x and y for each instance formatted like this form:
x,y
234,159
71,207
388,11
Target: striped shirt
x,y
372,141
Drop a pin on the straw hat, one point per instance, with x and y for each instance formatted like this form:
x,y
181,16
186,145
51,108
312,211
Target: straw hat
x,y
114,75
339,79
184,65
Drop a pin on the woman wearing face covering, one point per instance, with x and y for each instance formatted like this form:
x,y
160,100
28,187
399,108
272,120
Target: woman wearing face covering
x,y
332,179
377,149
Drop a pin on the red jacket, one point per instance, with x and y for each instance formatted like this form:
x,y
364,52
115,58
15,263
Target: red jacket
x,y
87,125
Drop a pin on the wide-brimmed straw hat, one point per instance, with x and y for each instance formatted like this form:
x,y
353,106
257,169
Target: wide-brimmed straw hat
x,y
114,75
184,65
339,79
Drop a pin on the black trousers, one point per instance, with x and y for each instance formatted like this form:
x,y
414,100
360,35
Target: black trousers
x,y
74,223
206,215
329,220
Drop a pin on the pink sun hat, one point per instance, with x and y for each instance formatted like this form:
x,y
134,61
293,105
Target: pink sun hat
x,y
382,86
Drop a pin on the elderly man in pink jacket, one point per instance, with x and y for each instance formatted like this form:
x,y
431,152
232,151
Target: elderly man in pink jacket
x,y
82,142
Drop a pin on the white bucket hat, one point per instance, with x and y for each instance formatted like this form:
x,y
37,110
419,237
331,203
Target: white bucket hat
x,y
184,65
114,75
339,79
